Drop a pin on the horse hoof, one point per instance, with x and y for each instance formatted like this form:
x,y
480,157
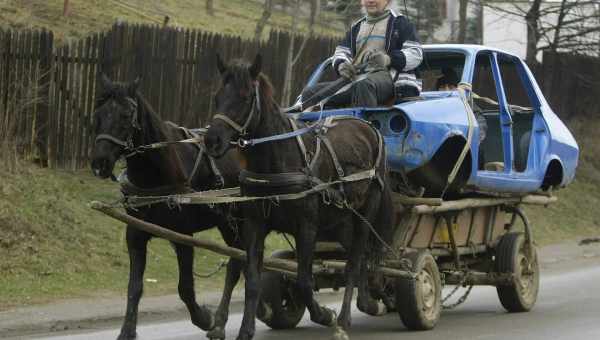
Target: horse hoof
x,y
340,334
217,333
374,308
212,322
266,313
127,336
381,309
327,317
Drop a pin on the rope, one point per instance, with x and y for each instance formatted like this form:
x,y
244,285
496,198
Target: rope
x,y
220,266
462,87
379,238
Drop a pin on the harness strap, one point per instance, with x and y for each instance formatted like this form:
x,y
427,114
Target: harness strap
x,y
112,139
311,166
237,127
379,158
336,162
300,142
196,165
216,171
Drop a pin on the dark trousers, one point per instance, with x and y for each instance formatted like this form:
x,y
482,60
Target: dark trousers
x,y
373,91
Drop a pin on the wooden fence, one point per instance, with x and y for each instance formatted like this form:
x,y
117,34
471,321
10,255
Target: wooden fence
x,y
47,93
571,84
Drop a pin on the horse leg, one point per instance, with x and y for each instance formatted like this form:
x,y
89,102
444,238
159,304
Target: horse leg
x,y
200,315
365,301
232,277
355,257
254,237
137,242
305,246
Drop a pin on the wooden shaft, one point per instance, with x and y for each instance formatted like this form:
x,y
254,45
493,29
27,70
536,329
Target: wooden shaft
x,y
274,264
482,202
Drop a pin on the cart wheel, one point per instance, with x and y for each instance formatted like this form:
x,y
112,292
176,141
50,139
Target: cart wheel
x,y
419,301
280,295
514,256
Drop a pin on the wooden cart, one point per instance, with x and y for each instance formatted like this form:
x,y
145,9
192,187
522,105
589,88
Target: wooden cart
x,y
466,242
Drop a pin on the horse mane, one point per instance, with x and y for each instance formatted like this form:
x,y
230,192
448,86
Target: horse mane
x,y
153,128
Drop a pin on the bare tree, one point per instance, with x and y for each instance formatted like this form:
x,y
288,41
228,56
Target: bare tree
x,y
210,8
262,22
572,26
315,6
462,21
66,8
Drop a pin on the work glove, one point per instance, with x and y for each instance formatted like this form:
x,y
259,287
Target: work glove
x,y
377,59
347,70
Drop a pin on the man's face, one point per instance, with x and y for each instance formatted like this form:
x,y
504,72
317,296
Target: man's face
x,y
374,6
447,87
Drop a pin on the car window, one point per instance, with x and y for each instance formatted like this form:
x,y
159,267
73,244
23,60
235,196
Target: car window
x,y
516,93
437,64
484,85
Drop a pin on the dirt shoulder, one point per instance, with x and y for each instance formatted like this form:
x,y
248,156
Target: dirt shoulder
x,y
98,313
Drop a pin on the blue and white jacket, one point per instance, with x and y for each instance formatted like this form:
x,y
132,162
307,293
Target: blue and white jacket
x,y
402,45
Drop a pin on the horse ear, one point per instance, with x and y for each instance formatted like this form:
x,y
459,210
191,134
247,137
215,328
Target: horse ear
x,y
256,67
221,65
106,83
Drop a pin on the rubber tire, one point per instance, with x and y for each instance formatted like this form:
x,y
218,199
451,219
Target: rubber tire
x,y
409,302
508,252
273,287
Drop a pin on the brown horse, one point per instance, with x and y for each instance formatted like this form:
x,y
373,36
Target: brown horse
x,y
125,121
359,209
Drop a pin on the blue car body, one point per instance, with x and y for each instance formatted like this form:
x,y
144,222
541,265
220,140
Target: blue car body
x,y
415,131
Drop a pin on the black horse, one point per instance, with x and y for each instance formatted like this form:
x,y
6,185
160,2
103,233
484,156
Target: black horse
x,y
124,121
247,110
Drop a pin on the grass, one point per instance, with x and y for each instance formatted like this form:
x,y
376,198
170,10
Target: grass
x,y
53,246
236,17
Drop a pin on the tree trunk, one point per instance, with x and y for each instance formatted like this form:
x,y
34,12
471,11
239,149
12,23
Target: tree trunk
x,y
288,78
210,9
260,25
559,24
66,8
533,34
462,21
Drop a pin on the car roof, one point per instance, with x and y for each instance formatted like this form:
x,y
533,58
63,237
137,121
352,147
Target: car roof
x,y
466,48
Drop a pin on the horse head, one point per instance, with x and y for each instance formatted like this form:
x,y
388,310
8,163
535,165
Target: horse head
x,y
116,123
243,93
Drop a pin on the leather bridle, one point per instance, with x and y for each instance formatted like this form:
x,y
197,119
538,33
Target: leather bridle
x,y
242,130
126,144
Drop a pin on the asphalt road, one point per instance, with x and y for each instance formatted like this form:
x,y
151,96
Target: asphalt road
x,y
568,307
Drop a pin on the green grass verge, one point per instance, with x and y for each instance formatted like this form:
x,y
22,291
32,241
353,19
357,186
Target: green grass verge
x,y
53,246
236,17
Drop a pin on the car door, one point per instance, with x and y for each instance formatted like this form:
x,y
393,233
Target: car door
x,y
506,160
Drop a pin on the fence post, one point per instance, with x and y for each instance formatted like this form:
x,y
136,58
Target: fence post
x,y
43,109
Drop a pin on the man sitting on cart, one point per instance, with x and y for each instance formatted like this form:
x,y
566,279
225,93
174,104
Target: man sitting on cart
x,y
384,47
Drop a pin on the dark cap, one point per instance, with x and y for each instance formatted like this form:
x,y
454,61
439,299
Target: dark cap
x,y
448,77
